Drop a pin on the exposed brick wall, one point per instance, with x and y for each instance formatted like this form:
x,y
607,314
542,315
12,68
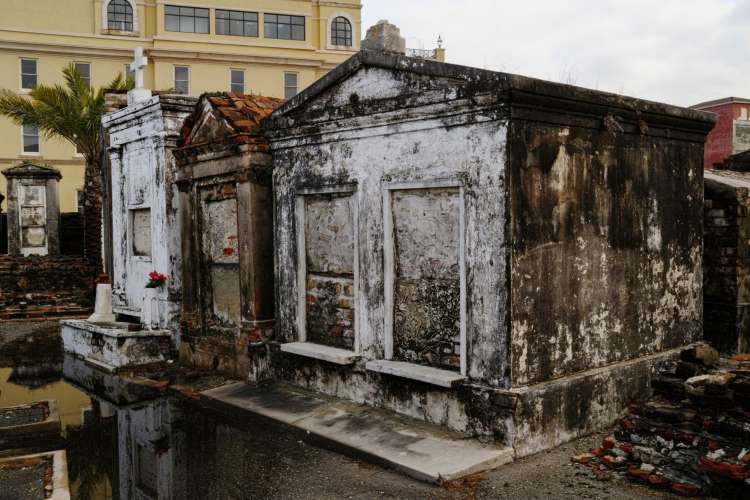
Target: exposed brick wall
x,y
726,266
38,287
719,140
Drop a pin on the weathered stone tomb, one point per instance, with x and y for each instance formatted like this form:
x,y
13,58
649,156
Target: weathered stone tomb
x,y
504,256
145,225
145,238
226,206
33,209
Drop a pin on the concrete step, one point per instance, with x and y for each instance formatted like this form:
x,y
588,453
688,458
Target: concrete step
x,y
424,451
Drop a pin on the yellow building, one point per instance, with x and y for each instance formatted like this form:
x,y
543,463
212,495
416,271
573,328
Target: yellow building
x,y
270,47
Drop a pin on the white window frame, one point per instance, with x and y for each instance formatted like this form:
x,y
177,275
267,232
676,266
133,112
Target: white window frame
x,y
329,32
77,63
295,73
23,143
244,78
20,72
105,19
301,195
189,77
389,260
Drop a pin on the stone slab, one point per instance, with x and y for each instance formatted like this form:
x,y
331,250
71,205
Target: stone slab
x,y
426,374
29,424
30,484
423,451
113,346
321,352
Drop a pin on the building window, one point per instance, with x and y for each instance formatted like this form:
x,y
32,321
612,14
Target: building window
x,y
28,74
238,81
120,15
84,69
30,139
284,27
290,85
341,32
234,22
186,19
182,79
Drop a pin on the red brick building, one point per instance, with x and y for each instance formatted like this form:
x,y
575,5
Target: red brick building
x,y
732,132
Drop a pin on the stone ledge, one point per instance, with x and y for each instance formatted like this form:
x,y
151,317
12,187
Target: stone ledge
x,y
112,346
426,374
113,329
321,352
423,451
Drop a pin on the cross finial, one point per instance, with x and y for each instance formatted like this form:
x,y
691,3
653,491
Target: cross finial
x,y
138,94
139,62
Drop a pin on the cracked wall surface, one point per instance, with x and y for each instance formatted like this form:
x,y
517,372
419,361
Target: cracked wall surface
x,y
427,283
606,256
329,255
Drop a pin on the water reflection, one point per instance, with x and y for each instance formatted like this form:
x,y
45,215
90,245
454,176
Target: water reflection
x,y
126,440
32,371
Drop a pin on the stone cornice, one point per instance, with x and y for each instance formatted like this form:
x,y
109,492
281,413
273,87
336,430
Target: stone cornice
x,y
126,52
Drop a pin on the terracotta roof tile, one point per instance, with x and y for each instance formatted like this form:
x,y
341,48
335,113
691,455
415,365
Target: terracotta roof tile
x,y
242,112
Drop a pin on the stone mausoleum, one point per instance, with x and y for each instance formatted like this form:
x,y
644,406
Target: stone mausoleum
x,y
145,227
146,237
504,256
226,206
33,209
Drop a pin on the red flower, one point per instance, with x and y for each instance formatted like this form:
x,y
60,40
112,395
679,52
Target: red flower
x,y
155,279
228,251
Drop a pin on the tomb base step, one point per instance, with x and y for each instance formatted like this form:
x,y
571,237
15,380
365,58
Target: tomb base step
x,y
112,346
424,451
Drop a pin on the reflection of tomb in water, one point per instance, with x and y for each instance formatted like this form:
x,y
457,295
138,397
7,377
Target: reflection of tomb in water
x,y
36,376
147,443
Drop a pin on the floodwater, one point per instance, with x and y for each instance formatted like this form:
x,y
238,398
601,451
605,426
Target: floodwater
x,y
125,443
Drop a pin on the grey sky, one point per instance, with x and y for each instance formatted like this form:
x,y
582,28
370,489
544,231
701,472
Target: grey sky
x,y
676,51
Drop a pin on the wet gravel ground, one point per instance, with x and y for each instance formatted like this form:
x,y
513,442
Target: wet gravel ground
x,y
306,472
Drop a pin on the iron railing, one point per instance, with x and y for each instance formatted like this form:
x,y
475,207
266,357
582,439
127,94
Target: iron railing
x,y
422,53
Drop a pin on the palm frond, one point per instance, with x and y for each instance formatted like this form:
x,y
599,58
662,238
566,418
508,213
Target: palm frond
x,y
71,111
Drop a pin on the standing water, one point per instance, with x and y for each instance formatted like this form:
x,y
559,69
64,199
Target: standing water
x,y
130,441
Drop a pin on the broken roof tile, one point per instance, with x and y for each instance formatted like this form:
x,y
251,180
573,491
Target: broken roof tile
x,y
240,113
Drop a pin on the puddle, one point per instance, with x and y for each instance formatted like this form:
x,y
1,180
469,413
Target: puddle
x,y
129,441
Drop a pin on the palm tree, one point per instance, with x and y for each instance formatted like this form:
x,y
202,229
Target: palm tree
x,y
73,112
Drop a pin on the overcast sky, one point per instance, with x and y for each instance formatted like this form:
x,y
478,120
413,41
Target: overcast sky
x,y
675,51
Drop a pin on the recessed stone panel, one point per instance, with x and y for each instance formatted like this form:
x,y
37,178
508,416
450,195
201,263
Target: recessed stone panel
x,y
33,216
221,252
33,237
427,293
141,231
32,194
329,245
329,234
220,231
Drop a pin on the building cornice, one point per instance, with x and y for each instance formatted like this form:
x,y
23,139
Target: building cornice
x,y
126,52
194,55
128,37
719,102
78,50
338,5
